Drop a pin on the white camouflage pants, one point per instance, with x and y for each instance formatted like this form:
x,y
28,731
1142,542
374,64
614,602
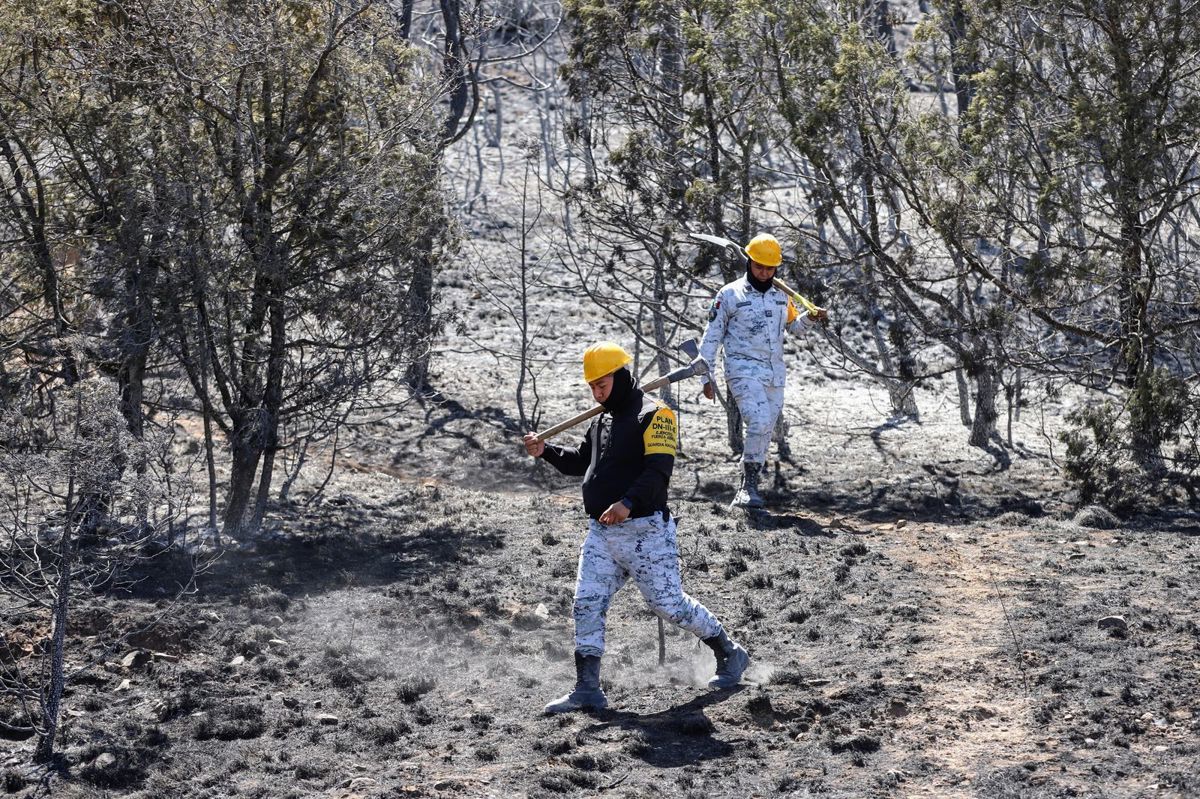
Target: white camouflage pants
x,y
760,405
645,549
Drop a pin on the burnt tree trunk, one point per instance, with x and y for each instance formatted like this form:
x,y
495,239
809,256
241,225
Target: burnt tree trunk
x,y
272,405
245,449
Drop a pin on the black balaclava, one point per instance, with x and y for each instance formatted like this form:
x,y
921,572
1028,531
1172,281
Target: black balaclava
x,y
622,387
762,285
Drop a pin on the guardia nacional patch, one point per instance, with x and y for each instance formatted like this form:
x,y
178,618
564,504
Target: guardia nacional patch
x,y
660,437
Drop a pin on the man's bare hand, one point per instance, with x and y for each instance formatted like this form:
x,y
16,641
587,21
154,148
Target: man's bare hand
x,y
819,314
615,514
710,392
534,445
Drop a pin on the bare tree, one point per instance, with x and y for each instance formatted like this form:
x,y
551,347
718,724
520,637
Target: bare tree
x,y
330,183
58,542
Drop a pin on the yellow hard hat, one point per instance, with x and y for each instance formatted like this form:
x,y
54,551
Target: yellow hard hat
x,y
764,250
602,359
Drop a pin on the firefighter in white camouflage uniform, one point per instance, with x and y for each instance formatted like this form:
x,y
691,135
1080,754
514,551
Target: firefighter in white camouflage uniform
x,y
626,459
747,319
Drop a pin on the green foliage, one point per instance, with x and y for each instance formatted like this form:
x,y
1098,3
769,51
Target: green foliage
x,y
250,192
1097,461
1106,459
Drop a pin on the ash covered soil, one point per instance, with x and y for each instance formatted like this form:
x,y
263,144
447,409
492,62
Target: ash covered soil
x,y
921,623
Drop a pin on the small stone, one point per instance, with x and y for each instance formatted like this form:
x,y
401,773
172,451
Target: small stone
x,y
328,719
1097,517
355,783
278,642
105,760
901,523
136,659
238,660
125,685
291,703
1113,623
860,743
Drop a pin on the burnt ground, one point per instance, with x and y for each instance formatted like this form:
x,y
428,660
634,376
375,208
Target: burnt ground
x,y
924,620
921,623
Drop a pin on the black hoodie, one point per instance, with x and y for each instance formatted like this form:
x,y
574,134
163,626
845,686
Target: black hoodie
x,y
763,286
628,453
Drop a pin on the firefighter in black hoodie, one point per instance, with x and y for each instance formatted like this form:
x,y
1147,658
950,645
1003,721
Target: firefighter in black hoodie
x,y
626,459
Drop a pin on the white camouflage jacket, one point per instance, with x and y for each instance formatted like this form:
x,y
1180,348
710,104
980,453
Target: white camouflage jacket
x,y
750,325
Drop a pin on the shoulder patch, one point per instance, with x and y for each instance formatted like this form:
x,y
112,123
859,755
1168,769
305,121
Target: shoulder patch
x,y
792,313
659,437
712,309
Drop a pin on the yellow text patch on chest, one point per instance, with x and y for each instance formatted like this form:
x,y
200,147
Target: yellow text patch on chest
x,y
660,437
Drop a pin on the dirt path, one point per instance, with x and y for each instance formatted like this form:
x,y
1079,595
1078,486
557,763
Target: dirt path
x,y
975,713
400,637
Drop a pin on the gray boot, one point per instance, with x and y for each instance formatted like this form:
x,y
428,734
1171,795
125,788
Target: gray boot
x,y
732,661
587,694
748,496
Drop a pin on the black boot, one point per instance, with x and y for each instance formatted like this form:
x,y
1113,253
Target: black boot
x,y
732,661
587,694
747,495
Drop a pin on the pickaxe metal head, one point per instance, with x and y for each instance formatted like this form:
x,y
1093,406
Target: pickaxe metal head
x,y
697,367
721,242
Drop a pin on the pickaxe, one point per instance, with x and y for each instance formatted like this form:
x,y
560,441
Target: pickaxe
x,y
808,304
697,367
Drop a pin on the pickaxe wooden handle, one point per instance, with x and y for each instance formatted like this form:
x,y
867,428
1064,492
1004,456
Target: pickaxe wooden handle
x,y
574,420
698,366
808,304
